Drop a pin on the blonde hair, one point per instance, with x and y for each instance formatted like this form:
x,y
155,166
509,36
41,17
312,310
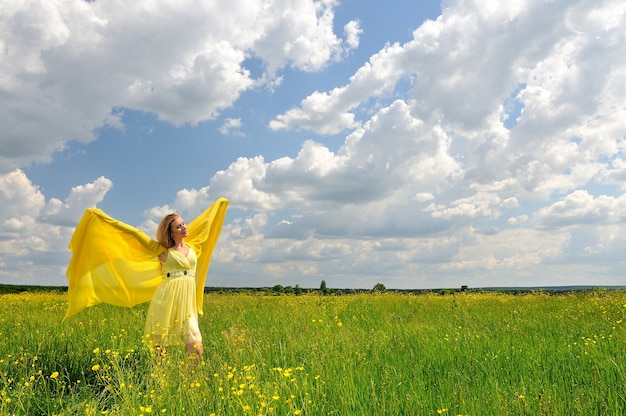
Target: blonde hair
x,y
164,232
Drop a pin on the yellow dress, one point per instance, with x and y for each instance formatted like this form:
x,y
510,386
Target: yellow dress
x,y
115,263
173,314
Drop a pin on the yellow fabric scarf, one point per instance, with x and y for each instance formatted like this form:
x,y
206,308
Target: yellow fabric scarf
x,y
113,262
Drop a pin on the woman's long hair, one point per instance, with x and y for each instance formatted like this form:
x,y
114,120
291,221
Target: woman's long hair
x,y
164,232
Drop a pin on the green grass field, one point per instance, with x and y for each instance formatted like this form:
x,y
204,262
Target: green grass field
x,y
365,354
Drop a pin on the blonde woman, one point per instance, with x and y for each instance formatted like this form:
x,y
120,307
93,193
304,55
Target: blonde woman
x,y
173,314
118,264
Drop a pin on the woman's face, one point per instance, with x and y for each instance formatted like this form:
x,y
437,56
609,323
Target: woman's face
x,y
178,229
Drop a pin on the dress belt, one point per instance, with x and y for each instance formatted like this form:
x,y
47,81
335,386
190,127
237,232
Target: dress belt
x,y
178,273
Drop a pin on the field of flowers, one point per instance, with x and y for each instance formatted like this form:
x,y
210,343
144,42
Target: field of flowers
x,y
364,354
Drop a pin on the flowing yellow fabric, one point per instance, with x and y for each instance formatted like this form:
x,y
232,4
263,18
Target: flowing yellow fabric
x,y
115,263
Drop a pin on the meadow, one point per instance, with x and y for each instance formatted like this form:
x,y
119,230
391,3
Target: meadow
x,y
463,353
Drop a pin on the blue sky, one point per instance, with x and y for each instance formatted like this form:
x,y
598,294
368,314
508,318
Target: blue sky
x,y
416,144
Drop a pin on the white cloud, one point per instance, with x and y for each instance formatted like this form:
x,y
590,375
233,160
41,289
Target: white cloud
x,y
510,203
520,219
231,126
330,113
195,89
353,30
580,207
320,112
300,34
66,66
240,183
466,64
325,203
80,198
423,196
34,234
19,196
505,156
464,68
366,169
520,253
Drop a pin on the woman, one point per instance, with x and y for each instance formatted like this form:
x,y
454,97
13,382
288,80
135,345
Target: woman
x,y
173,315
115,263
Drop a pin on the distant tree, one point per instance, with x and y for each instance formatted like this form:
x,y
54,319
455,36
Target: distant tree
x,y
325,290
379,287
298,290
278,289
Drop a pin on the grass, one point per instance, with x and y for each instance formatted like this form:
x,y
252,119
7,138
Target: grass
x,y
363,354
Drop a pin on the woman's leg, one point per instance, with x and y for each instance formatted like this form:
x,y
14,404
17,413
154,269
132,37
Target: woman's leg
x,y
195,349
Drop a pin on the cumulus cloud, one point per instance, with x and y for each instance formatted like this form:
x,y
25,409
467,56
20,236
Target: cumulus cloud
x,y
25,205
20,197
353,31
231,126
330,112
321,208
465,65
300,35
580,207
34,233
80,198
491,144
69,65
505,117
366,169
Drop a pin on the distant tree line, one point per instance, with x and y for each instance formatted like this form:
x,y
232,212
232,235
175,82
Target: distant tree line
x,y
325,290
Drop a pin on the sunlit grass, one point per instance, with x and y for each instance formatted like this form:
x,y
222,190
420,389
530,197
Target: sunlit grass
x,y
374,354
